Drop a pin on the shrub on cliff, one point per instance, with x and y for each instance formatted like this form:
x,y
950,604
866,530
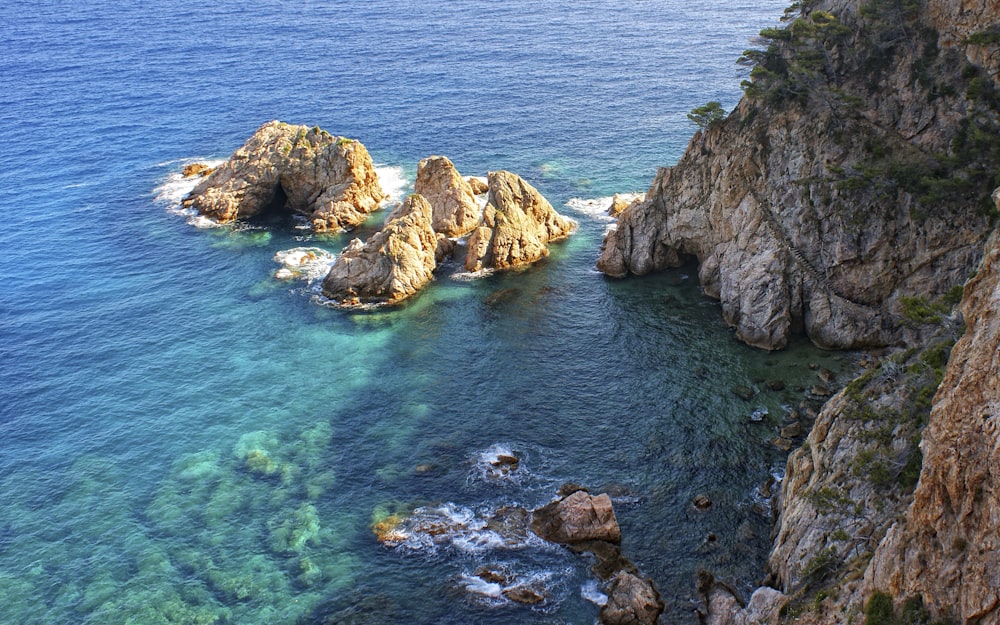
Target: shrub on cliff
x,y
707,115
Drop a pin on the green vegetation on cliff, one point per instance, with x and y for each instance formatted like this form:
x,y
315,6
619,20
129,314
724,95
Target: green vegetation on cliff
x,y
818,60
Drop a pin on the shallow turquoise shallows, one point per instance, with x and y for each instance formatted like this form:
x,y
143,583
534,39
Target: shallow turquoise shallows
x,y
185,438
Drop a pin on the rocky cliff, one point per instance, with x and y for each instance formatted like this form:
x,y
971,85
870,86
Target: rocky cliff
x,y
848,181
858,536
947,548
847,196
292,169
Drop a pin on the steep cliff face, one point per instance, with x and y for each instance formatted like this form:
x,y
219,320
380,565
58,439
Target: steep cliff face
x,y
849,179
846,196
947,549
852,531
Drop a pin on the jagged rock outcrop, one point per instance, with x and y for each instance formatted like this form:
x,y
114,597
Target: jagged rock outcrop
x,y
393,264
455,210
578,518
330,180
622,201
516,226
947,549
845,181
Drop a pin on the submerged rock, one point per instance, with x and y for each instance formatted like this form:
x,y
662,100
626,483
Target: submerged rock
x,y
295,169
610,559
516,225
510,523
577,518
391,265
452,199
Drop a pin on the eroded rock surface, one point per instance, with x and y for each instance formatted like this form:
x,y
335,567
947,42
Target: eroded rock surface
x,y
947,549
392,264
451,197
329,180
516,226
632,600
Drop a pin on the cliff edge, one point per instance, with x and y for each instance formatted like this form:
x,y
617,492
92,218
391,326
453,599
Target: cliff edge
x,y
849,180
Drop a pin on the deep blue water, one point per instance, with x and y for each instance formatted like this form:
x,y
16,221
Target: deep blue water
x,y
145,363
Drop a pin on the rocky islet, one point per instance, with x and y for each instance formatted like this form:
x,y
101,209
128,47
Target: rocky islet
x,y
331,181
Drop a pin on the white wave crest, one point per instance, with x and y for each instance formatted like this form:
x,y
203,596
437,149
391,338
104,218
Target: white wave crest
x,y
597,208
303,263
479,586
175,188
591,591
393,182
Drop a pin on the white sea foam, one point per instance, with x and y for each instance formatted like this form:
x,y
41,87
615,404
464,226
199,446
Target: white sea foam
x,y
450,526
597,208
393,182
175,188
493,464
591,591
469,276
478,586
303,263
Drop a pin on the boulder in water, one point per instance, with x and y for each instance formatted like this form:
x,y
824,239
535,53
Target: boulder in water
x,y
632,600
478,185
197,169
580,517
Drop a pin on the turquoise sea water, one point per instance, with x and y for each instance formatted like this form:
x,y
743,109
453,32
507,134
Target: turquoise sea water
x,y
185,439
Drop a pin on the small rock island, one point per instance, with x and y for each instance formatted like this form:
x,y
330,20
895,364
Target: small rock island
x,y
329,180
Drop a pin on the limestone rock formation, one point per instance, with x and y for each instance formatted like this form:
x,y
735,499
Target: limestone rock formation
x,y
947,549
838,187
391,265
578,518
516,225
455,210
632,600
329,180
